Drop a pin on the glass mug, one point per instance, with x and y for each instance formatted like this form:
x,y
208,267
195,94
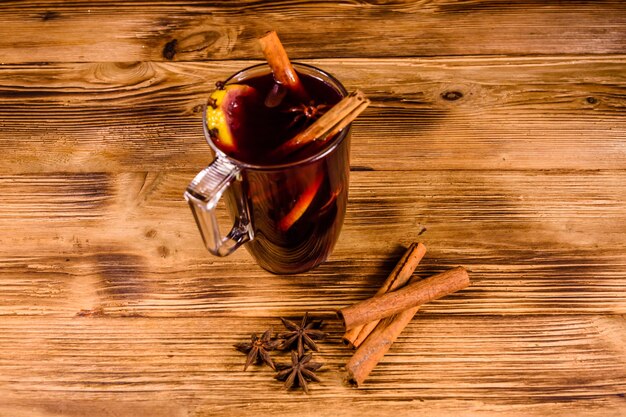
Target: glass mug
x,y
289,215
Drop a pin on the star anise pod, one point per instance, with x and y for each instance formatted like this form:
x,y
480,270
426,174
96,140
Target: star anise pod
x,y
303,335
258,349
306,114
301,371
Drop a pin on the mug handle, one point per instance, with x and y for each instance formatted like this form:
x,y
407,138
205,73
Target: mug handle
x,y
203,194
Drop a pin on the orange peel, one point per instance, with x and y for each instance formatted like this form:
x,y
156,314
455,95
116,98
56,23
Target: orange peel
x,y
302,204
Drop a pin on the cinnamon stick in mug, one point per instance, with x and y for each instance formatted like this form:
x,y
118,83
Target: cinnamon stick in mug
x,y
397,278
283,71
412,295
328,125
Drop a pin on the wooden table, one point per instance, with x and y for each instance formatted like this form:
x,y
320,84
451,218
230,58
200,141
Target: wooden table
x,y
497,136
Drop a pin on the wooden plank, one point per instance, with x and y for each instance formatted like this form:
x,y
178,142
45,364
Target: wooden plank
x,y
535,243
504,154
440,113
475,363
58,31
309,407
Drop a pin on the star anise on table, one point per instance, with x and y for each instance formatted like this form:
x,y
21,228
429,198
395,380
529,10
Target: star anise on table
x,y
301,371
258,349
302,335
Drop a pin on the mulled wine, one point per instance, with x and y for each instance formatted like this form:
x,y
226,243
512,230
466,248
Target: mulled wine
x,y
258,129
296,202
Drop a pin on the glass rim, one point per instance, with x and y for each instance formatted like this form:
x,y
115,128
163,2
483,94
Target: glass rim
x,y
322,153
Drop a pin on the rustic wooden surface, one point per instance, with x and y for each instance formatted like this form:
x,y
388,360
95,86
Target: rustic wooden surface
x,y
497,136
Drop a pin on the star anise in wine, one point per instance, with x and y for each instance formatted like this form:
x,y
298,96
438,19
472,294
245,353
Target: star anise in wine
x,y
302,335
301,371
306,113
258,349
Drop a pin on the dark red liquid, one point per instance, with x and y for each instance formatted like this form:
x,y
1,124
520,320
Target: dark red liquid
x,y
296,212
265,128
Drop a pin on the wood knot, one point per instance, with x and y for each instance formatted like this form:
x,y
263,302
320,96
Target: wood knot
x,y
591,100
49,15
164,252
451,95
169,50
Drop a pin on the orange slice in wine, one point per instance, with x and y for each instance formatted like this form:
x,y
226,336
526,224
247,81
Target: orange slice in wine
x,y
302,204
228,114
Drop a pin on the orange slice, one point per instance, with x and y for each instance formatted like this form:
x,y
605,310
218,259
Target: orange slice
x,y
228,113
302,204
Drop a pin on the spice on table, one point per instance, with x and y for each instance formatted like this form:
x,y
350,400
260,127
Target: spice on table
x,y
301,371
376,322
258,349
303,335
397,278
380,340
412,295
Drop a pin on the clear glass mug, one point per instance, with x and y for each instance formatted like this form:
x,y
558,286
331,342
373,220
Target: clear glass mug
x,y
288,216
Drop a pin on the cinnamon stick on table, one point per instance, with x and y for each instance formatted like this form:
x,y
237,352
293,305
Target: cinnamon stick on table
x,y
283,71
397,278
412,295
380,340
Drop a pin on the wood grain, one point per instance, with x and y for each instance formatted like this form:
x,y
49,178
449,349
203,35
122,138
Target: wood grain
x,y
58,31
535,243
496,136
439,113
309,407
477,363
